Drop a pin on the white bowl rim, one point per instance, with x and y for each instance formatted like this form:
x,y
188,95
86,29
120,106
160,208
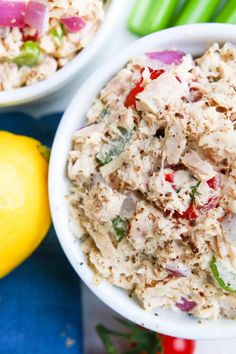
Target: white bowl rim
x,y
61,77
167,322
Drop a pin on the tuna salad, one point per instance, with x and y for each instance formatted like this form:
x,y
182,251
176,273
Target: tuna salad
x,y
154,182
39,37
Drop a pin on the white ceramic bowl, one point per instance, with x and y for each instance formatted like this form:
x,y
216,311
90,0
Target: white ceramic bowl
x,y
190,39
63,76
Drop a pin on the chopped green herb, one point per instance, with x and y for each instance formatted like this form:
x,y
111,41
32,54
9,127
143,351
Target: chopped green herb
x,y
120,227
29,54
105,336
126,134
110,151
105,156
104,112
123,131
194,192
145,340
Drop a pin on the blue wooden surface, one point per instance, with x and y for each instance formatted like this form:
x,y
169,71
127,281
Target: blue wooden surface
x,y
40,302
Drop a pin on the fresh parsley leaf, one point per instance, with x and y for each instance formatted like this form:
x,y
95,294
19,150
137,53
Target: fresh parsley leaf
x,y
112,150
120,227
104,112
123,130
140,339
194,192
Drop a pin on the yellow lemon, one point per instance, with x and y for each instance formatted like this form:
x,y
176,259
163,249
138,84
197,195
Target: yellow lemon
x,y
24,207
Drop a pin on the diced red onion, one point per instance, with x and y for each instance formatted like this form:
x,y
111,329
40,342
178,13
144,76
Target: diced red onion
x,y
73,23
211,204
167,56
4,32
35,15
97,178
128,207
12,13
186,305
178,269
229,228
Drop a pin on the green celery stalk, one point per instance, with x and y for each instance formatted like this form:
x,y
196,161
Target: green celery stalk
x,y
225,279
196,11
228,13
159,15
138,15
111,151
29,55
177,12
57,34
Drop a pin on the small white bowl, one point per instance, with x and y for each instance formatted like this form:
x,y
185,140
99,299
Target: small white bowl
x,y
194,39
63,76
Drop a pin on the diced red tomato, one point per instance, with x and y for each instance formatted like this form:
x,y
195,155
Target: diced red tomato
x,y
155,73
190,213
130,100
169,177
215,182
26,36
193,211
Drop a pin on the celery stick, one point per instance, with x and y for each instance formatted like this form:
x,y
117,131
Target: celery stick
x,y
196,11
159,15
137,16
228,13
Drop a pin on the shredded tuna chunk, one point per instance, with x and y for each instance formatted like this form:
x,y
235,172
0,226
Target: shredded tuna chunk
x,y
175,140
103,203
203,170
164,91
